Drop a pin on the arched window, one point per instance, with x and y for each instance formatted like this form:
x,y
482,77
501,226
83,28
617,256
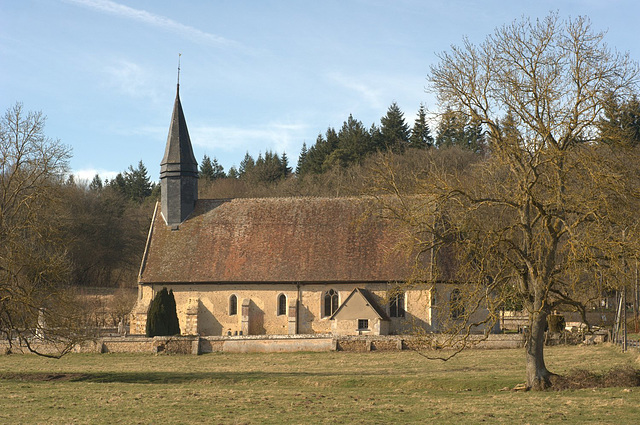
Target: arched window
x,y
396,305
282,304
456,304
233,305
330,302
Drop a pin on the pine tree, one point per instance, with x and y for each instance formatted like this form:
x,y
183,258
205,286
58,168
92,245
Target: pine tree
x,y
421,134
137,183
233,173
246,165
621,122
96,183
395,131
302,160
377,139
162,317
206,169
316,155
286,170
354,142
218,170
451,130
474,135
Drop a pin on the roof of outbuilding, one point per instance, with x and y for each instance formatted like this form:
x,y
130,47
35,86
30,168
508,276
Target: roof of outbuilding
x,y
371,303
276,240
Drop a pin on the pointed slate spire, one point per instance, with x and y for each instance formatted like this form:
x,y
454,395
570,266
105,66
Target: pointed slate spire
x,y
178,170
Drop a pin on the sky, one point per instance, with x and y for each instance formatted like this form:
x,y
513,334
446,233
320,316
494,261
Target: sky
x,y
255,75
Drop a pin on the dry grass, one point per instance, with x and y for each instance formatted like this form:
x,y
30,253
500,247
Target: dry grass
x,y
364,388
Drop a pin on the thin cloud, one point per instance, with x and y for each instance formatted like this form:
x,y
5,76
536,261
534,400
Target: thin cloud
x,y
275,136
131,79
367,92
113,8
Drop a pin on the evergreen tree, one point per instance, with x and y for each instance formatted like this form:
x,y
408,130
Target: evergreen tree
x,y
456,129
172,315
302,159
284,164
421,134
394,129
119,184
451,130
206,169
377,139
474,135
218,170
354,142
162,317
317,154
233,173
246,165
96,183
137,183
621,122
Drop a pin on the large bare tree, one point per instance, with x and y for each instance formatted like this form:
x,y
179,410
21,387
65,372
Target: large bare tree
x,y
546,220
36,308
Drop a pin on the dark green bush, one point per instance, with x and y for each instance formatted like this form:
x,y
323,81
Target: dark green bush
x,y
162,317
555,322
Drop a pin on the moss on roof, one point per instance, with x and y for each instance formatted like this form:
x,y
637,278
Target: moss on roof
x,y
276,240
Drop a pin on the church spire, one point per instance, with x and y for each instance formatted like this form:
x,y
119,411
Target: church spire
x,y
178,169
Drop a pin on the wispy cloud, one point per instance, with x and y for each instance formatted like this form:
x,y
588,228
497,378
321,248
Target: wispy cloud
x,y
113,8
131,79
368,91
276,136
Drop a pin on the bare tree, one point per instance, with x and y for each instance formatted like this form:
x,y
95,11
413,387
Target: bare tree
x,y
546,221
35,303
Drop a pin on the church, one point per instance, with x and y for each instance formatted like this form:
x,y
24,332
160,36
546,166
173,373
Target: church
x,y
275,266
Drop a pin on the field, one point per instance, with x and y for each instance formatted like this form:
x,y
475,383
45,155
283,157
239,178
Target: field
x,y
336,387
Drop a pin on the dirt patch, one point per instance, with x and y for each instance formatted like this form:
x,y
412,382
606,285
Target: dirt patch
x,y
580,378
42,377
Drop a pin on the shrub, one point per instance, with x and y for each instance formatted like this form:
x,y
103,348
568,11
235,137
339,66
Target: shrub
x,y
162,317
555,322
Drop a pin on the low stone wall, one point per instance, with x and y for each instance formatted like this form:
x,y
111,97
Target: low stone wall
x,y
277,345
267,344
407,342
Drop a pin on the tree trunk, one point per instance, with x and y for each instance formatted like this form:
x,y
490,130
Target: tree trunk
x,y
538,377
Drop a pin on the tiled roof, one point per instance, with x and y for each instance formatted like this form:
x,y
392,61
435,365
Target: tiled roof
x,y
276,240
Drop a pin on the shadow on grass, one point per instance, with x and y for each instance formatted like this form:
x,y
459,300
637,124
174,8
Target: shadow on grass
x,y
172,377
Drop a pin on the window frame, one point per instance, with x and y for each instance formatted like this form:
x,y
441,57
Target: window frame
x,y
397,305
364,322
456,305
233,305
281,310
330,307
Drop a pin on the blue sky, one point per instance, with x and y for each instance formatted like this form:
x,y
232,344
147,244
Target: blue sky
x,y
255,75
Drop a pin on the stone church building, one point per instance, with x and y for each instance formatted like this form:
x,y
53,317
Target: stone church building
x,y
273,266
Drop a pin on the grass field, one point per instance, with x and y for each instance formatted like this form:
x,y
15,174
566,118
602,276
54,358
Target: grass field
x,y
335,387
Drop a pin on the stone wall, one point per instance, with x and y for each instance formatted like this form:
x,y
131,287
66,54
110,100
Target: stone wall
x,y
263,344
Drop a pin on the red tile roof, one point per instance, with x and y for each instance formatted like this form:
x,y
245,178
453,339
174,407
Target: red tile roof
x,y
276,240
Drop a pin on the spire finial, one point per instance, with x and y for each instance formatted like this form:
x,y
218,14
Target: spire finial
x,y
179,54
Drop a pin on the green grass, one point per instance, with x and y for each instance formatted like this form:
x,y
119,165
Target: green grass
x,y
367,388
